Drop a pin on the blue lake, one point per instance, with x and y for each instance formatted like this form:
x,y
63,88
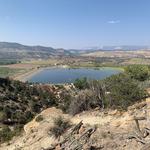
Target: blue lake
x,y
66,75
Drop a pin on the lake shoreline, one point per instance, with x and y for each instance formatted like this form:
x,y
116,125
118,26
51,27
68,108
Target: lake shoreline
x,y
28,75
24,77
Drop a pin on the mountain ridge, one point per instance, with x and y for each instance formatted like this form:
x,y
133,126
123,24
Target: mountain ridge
x,y
17,51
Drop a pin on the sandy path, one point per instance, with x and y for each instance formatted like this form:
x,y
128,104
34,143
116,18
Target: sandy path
x,y
23,77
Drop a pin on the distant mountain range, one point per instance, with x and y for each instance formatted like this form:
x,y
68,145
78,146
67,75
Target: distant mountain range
x,y
18,51
126,47
117,47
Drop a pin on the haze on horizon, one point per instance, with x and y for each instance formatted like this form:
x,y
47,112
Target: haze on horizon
x,y
75,23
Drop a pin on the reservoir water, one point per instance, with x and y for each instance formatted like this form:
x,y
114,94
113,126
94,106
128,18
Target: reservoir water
x,y
67,75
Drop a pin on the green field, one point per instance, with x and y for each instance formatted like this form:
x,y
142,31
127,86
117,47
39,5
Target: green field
x,y
8,72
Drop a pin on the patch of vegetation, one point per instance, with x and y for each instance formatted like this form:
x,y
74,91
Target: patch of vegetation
x,y
66,99
138,72
122,91
59,86
8,62
60,126
6,134
118,91
85,100
19,102
81,83
39,118
6,72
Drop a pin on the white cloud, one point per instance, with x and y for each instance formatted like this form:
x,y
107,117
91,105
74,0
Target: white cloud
x,y
113,21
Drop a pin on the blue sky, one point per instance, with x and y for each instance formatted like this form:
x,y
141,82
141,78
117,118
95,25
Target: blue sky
x,y
75,23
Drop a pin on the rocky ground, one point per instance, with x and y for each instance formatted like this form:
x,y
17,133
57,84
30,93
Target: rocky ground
x,y
111,130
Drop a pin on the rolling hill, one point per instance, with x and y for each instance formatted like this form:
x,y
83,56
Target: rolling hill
x,y
17,51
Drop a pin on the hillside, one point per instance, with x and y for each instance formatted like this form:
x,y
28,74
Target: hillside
x,y
119,54
15,51
89,114
126,47
19,102
112,130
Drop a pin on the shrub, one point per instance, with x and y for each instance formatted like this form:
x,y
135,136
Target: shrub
x,y
35,107
123,91
66,99
2,116
81,83
5,134
85,100
138,72
60,126
28,115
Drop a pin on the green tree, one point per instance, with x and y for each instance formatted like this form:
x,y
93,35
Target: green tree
x,y
138,72
122,91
